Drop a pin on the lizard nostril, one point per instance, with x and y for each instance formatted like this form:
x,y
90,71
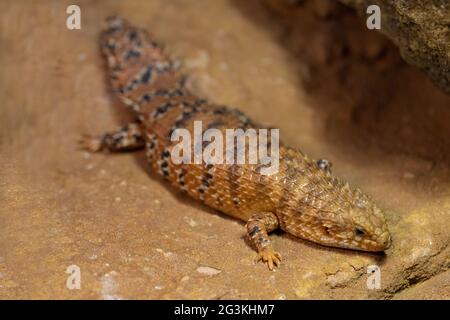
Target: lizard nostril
x,y
387,242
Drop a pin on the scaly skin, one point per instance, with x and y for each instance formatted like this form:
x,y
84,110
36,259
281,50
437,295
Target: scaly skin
x,y
302,198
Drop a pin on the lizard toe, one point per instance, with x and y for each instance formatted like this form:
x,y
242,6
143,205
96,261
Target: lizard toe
x,y
269,256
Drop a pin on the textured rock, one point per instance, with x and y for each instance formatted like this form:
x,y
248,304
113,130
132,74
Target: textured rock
x,y
360,79
421,29
437,288
131,236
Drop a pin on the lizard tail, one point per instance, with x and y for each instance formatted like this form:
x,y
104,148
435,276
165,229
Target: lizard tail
x,y
139,69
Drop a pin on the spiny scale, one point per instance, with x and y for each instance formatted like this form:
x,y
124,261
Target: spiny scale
x,y
302,198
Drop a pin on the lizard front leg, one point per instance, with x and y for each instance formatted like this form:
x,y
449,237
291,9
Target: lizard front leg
x,y
127,138
258,227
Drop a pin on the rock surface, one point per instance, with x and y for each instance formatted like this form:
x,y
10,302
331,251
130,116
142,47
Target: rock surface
x,y
132,236
421,29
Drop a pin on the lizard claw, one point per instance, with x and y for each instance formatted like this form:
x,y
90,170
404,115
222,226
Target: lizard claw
x,y
270,256
90,143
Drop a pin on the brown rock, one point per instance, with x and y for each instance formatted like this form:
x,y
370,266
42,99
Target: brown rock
x,y
420,28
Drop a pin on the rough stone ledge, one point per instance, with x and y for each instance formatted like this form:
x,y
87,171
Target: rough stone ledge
x,y
420,28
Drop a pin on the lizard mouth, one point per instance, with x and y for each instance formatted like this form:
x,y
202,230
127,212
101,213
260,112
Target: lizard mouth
x,y
377,244
334,237
372,245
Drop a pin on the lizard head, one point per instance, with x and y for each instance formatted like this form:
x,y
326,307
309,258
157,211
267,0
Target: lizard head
x,y
352,221
364,225
331,213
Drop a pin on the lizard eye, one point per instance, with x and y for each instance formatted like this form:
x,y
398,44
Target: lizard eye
x,y
359,231
327,231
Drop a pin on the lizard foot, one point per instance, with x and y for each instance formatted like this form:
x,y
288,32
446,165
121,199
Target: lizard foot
x,y
90,143
270,256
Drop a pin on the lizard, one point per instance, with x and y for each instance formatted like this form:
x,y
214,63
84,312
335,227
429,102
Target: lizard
x,y
303,198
